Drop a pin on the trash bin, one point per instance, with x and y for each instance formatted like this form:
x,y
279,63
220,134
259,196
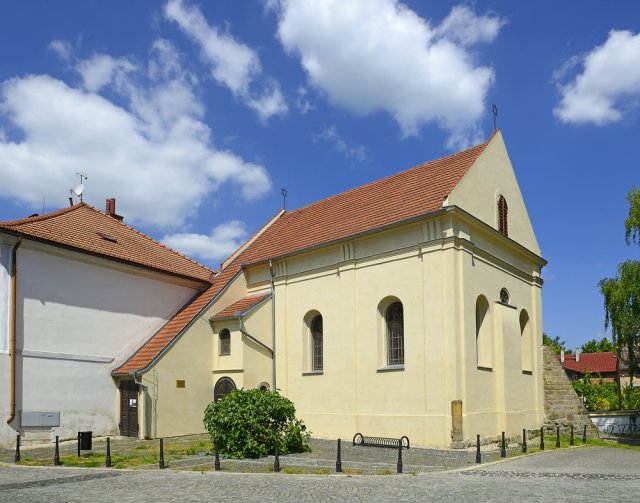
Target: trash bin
x,y
85,440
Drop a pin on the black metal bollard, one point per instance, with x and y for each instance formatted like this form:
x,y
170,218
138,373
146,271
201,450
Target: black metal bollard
x,y
161,453
399,468
571,442
542,438
557,436
584,434
503,449
478,455
524,440
338,459
276,460
17,457
56,455
78,444
107,461
216,452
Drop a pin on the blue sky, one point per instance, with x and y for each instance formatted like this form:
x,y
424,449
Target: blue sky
x,y
193,115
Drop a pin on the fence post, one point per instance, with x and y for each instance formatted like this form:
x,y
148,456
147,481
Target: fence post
x,y
56,455
584,434
338,459
478,455
78,444
276,461
161,463
17,457
503,448
399,468
216,452
524,440
571,442
107,461
557,436
542,438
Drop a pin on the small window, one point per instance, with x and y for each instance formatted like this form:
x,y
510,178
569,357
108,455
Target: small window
x,y
394,320
223,387
316,343
225,342
503,211
504,296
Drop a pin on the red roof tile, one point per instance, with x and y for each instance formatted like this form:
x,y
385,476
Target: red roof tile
x,y
241,307
395,199
85,229
594,363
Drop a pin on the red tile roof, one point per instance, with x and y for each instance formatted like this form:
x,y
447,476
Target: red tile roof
x,y
240,307
594,363
392,200
85,229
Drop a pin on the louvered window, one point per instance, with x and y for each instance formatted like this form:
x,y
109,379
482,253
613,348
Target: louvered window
x,y
503,211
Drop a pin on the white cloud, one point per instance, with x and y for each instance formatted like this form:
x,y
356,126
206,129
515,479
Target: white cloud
x,y
302,102
222,242
607,87
62,48
381,56
150,149
333,138
233,64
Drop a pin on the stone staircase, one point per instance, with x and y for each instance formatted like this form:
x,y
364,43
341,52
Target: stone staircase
x,y
562,406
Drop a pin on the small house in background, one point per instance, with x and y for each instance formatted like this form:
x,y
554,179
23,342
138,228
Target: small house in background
x,y
604,364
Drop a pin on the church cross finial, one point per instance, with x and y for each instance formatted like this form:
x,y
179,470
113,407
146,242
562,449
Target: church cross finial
x,y
283,191
495,116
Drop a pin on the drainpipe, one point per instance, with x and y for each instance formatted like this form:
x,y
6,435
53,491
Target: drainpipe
x,y
273,328
12,343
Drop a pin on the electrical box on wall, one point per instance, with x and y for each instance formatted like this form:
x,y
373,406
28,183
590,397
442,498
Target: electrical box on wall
x,y
40,419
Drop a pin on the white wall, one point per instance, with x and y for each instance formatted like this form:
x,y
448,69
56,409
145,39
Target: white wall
x,y
79,317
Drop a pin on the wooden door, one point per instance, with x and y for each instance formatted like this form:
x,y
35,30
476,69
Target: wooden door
x,y
128,409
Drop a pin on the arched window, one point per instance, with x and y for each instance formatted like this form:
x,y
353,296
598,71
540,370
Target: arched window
x,y
394,320
316,343
225,342
483,333
526,342
503,211
224,386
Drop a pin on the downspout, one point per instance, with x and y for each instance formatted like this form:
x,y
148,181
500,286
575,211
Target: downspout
x,y
12,343
273,328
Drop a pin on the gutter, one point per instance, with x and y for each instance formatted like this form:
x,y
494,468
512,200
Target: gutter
x,y
252,338
273,327
12,343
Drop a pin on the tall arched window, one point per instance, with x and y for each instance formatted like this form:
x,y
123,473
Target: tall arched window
x,y
483,333
225,342
394,320
224,386
317,362
526,342
503,211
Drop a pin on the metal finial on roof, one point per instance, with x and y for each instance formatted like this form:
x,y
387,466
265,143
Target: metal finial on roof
x,y
495,116
283,191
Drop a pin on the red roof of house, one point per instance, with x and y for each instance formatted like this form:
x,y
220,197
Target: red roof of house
x,y
392,200
85,229
594,363
240,307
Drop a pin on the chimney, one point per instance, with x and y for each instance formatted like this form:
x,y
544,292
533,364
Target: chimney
x,y
111,209
577,355
562,356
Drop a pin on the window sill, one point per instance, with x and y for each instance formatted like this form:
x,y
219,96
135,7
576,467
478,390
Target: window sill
x,y
313,373
527,372
391,368
485,369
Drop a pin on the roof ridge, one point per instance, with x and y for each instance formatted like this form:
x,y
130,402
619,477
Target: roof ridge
x,y
399,173
45,216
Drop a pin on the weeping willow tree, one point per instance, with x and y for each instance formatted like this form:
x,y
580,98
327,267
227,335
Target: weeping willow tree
x,y
622,295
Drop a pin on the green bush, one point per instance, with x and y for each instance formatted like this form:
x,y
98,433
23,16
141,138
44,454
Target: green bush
x,y
600,395
248,422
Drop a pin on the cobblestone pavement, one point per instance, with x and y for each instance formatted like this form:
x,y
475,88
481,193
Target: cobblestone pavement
x,y
593,473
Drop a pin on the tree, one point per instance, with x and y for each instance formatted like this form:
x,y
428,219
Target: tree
x,y
600,346
632,223
556,344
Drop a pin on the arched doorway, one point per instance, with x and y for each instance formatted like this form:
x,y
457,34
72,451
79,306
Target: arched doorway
x,y
223,386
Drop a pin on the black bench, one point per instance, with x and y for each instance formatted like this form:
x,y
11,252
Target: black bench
x,y
392,443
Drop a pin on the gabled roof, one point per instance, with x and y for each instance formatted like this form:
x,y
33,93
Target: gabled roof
x,y
594,363
392,200
240,308
85,229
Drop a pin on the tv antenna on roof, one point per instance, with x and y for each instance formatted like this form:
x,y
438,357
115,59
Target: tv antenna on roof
x,y
78,189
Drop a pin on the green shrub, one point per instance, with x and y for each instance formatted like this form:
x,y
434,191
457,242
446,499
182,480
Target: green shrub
x,y
248,422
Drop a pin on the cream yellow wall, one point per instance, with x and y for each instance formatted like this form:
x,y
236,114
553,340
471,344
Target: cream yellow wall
x,y
490,176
